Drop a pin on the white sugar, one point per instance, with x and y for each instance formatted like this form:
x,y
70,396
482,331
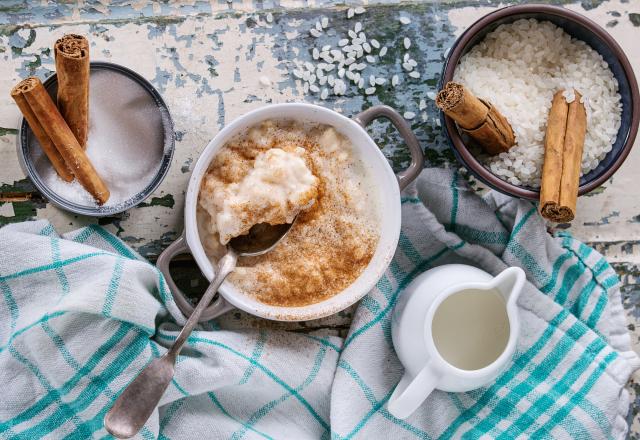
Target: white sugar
x,y
125,143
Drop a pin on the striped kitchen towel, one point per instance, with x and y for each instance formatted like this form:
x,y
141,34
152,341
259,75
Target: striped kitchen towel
x,y
81,314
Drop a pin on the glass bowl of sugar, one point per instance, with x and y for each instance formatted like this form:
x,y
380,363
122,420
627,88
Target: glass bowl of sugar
x,y
130,143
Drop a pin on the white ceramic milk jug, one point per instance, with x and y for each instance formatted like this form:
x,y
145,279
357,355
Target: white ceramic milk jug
x,y
455,329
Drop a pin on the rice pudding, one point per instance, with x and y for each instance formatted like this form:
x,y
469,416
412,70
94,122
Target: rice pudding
x,y
277,170
274,191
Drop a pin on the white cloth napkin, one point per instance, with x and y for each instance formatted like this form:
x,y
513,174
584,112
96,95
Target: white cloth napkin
x,y
81,314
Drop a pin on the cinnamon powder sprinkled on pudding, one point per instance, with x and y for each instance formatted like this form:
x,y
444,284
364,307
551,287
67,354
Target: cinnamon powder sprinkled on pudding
x,y
330,243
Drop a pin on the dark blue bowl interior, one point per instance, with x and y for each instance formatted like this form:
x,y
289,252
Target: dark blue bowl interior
x,y
580,32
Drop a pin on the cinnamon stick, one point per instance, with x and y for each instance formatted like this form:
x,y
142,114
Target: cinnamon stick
x,y
45,142
476,117
57,130
72,68
563,145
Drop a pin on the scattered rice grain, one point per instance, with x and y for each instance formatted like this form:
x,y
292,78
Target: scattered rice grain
x,y
265,81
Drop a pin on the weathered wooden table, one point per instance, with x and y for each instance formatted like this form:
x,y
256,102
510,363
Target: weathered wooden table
x,y
211,61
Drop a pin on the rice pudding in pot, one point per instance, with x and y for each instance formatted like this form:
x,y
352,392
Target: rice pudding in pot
x,y
278,171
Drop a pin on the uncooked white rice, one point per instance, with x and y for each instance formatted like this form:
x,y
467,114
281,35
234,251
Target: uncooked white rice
x,y
518,67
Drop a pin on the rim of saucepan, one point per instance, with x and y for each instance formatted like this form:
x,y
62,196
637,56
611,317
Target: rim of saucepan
x,y
469,159
388,239
507,352
100,211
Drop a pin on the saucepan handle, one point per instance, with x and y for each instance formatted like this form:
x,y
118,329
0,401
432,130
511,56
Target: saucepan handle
x,y
408,175
217,307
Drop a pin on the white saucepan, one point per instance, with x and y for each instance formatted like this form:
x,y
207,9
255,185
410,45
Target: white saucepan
x,y
388,184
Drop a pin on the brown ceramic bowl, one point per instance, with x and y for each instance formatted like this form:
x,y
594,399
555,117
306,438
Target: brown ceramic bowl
x,y
581,28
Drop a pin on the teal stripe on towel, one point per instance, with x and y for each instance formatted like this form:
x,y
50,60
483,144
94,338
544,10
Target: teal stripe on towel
x,y
520,361
217,403
28,327
562,386
55,254
92,391
407,279
540,373
96,423
270,406
195,339
257,352
14,311
368,393
52,266
557,418
49,398
112,288
116,244
64,409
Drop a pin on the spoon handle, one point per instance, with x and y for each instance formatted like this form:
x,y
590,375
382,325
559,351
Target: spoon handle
x,y
226,265
136,403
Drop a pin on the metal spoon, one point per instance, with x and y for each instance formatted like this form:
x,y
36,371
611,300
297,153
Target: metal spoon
x,y
136,403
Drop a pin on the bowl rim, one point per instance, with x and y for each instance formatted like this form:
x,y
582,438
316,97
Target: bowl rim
x,y
462,152
102,211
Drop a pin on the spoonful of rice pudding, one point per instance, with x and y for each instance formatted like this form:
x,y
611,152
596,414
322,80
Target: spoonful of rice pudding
x,y
274,191
253,216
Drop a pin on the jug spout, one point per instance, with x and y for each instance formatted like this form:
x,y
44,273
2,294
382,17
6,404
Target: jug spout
x,y
510,283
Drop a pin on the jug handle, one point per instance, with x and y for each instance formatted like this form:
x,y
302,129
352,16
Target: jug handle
x,y
411,392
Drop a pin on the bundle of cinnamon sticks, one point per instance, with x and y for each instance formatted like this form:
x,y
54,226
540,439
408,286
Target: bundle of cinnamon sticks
x,y
563,145
62,130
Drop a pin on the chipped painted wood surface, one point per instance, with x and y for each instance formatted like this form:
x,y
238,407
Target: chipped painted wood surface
x,y
206,58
